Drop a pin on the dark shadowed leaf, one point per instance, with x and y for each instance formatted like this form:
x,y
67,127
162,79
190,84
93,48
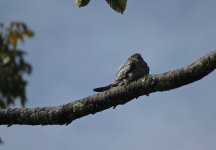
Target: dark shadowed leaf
x,y
81,3
117,5
1,142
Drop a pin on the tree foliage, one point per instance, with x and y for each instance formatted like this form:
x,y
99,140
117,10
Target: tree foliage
x,y
117,5
13,66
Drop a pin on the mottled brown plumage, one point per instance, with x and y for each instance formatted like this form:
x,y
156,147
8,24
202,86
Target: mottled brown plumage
x,y
134,68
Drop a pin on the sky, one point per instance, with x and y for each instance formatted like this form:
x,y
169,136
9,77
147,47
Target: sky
x,y
77,49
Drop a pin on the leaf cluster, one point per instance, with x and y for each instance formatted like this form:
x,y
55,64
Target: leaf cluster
x,y
13,66
117,5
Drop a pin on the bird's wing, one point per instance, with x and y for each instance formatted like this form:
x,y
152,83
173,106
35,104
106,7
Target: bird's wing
x,y
123,71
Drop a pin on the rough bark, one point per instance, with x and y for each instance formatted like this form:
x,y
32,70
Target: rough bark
x,y
67,113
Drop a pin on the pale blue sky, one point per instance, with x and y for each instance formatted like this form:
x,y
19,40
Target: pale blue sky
x,y
78,49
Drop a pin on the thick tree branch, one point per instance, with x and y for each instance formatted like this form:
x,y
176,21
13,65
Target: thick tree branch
x,y
65,114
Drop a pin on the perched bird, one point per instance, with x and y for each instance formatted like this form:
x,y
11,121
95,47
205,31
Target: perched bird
x,y
134,68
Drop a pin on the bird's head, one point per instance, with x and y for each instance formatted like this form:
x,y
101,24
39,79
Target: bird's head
x,y
136,56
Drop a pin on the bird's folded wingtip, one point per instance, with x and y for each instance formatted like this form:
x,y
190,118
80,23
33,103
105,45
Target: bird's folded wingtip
x,y
97,90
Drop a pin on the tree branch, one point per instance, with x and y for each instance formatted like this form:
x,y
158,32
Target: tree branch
x,y
67,113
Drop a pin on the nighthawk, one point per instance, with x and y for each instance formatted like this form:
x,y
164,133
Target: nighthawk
x,y
134,68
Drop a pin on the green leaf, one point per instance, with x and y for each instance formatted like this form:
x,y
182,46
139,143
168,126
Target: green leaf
x,y
117,5
81,3
29,33
13,39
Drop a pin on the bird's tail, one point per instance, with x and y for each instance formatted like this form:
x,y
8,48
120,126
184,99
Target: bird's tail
x,y
101,89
